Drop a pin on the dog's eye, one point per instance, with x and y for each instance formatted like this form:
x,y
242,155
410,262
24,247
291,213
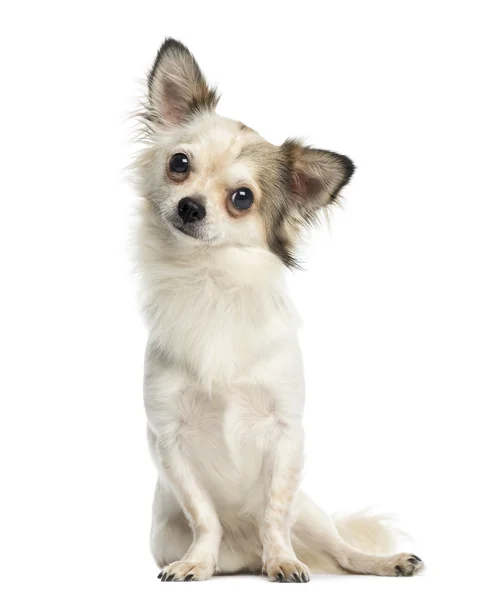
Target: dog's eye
x,y
179,163
242,198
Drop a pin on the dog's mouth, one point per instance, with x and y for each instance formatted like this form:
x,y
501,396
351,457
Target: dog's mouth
x,y
189,230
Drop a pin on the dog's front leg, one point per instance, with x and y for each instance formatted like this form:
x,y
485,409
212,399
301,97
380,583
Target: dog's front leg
x,y
172,408
283,462
201,558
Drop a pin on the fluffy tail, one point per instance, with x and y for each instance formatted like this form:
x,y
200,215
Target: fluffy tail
x,y
369,533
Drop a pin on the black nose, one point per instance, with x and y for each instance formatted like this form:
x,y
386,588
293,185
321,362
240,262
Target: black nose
x,y
190,210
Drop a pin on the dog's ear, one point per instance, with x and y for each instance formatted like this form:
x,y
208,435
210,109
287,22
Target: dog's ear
x,y
316,176
177,88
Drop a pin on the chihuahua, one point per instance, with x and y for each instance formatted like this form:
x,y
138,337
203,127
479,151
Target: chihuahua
x,y
221,214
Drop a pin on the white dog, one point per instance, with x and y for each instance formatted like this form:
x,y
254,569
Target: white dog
x,y
221,213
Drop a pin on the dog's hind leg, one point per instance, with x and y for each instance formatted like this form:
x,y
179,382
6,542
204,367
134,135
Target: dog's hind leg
x,y
319,544
171,537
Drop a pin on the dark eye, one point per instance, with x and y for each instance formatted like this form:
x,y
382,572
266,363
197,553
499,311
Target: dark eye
x,y
179,163
242,198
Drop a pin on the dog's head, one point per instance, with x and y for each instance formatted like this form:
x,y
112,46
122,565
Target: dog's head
x,y
215,181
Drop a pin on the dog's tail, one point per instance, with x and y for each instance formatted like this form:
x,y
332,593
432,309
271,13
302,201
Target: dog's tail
x,y
367,532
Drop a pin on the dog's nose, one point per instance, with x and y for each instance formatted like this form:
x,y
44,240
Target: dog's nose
x,y
190,210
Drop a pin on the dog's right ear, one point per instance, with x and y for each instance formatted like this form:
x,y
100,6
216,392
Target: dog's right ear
x,y
177,88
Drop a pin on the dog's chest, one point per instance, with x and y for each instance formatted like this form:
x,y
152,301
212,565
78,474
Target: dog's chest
x,y
217,330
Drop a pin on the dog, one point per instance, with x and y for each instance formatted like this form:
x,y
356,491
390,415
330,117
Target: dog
x,y
221,214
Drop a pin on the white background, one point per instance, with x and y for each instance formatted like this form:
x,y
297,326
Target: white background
x,y
401,302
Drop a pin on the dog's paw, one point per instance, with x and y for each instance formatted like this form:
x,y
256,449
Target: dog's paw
x,y
404,565
286,570
184,570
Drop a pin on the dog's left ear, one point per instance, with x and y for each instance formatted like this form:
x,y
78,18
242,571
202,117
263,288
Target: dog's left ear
x,y
316,176
177,88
